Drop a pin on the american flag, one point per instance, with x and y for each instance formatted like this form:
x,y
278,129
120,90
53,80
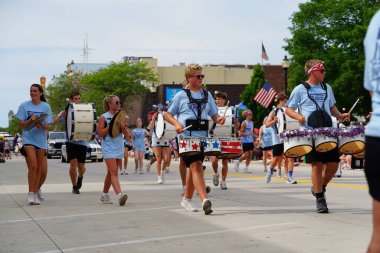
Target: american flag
x,y
264,54
265,95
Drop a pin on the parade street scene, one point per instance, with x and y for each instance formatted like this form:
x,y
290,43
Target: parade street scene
x,y
202,126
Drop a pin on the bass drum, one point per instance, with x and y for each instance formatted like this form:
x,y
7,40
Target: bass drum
x,y
223,131
163,129
80,121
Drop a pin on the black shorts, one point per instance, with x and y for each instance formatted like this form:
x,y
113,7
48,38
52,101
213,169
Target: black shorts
x,y
278,149
190,159
268,148
76,151
324,157
129,147
247,147
23,152
371,166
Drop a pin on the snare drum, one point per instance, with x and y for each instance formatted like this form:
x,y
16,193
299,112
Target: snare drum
x,y
324,143
231,148
163,129
211,146
350,143
297,146
189,146
80,122
284,122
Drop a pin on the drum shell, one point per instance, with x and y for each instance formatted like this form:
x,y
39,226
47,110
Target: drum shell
x,y
80,121
189,146
231,148
351,145
211,146
297,146
323,143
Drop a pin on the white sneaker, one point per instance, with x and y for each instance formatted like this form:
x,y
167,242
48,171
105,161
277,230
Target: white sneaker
x,y
125,172
160,179
246,169
122,198
141,172
188,205
40,196
30,198
223,185
236,165
36,200
215,179
206,205
182,190
291,181
279,174
136,171
268,177
147,167
106,199
121,173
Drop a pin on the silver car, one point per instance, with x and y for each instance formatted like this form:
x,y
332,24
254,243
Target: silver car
x,y
94,152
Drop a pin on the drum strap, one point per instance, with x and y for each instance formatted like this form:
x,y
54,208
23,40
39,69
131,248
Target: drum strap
x,y
318,118
199,124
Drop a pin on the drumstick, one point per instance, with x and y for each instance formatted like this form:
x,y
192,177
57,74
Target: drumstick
x,y
349,112
225,111
186,128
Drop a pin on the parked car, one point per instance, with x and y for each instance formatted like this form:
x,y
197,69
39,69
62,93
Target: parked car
x,y
55,142
94,152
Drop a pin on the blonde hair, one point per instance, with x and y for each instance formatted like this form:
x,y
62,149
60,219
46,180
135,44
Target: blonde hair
x,y
245,112
191,69
310,63
106,100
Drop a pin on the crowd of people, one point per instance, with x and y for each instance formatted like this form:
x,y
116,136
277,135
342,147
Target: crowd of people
x,y
191,111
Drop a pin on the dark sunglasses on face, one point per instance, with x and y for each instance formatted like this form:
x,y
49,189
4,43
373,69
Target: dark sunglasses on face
x,y
117,102
199,76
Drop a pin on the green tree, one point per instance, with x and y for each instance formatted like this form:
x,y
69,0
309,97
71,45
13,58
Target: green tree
x,y
13,127
257,81
121,79
333,31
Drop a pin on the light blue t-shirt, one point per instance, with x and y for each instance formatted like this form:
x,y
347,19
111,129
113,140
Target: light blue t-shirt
x,y
372,73
267,136
248,128
299,96
184,110
112,147
35,136
139,139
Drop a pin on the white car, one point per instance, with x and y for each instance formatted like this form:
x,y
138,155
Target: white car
x,y
94,152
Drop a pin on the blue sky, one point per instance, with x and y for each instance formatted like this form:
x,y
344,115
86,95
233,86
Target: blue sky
x,y
39,37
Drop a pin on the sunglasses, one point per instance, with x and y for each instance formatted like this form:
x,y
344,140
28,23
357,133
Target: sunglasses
x,y
248,114
117,102
199,76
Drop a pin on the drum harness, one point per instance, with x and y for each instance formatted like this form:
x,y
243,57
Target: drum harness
x,y
198,124
318,118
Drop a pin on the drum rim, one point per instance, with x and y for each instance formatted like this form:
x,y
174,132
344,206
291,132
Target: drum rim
x,y
311,149
346,153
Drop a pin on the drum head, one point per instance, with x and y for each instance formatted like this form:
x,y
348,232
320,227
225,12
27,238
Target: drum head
x,y
69,120
159,126
280,121
36,121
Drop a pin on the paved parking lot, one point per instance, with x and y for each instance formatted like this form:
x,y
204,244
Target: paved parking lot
x,y
251,216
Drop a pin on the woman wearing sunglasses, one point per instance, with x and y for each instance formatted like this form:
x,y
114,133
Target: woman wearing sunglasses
x,y
112,148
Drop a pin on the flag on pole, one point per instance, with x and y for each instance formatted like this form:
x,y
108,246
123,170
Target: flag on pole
x,y
265,95
264,54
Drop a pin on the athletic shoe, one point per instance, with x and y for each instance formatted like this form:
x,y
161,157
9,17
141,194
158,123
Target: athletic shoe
x,y
291,181
160,179
39,195
322,205
121,173
147,167
236,165
246,169
188,205
167,170
106,199
122,198
206,205
268,177
223,185
208,189
75,190
265,170
125,172
136,171
141,172
279,174
182,190
30,198
79,182
36,200
215,179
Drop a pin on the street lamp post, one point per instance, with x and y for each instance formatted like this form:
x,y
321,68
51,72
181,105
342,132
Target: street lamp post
x,y
285,65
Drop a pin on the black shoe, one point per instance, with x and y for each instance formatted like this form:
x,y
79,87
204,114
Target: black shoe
x,y
76,190
206,205
79,182
208,189
322,205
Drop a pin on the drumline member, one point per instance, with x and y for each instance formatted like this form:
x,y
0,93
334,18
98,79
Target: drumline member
x,y
265,140
34,139
246,133
76,150
372,84
112,149
127,148
191,106
161,149
316,98
221,102
139,148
